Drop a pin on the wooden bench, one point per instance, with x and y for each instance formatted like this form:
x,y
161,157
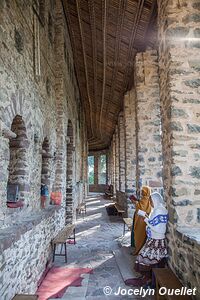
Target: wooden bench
x,y
25,297
166,278
127,222
119,209
81,209
61,238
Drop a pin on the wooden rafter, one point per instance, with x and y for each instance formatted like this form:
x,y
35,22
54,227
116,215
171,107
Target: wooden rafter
x,y
121,12
104,31
85,62
94,49
130,50
104,20
71,32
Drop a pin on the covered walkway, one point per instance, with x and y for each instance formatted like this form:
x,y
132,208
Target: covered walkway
x,y
96,93
97,238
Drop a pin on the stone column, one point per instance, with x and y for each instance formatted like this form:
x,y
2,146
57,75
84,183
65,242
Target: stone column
x,y
179,62
130,141
148,119
60,178
96,168
110,164
114,163
121,152
180,94
116,159
4,163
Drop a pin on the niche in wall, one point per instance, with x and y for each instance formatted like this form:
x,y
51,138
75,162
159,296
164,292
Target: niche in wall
x,y
18,175
46,165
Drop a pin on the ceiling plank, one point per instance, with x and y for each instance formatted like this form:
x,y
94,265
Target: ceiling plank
x,y
105,36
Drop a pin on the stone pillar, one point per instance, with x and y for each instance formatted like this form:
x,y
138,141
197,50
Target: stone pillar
x,y
4,163
179,57
60,178
110,164
180,95
96,168
116,159
121,152
85,168
114,162
148,119
130,141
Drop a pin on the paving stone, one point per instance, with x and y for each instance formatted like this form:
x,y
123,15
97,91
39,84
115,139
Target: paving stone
x,y
96,251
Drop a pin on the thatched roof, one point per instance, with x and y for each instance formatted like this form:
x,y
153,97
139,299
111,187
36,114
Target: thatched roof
x,y
105,36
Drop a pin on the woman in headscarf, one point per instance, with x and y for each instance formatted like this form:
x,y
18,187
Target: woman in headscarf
x,y
154,251
139,226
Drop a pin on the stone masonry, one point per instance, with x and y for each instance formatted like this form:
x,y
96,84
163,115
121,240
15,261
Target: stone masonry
x,y
179,58
121,152
130,140
116,159
24,256
180,106
161,117
113,160
148,118
43,137
39,96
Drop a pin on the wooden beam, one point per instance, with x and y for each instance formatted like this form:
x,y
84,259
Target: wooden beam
x,y
104,20
85,62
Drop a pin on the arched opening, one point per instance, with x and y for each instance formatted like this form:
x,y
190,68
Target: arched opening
x,y
69,175
18,187
45,173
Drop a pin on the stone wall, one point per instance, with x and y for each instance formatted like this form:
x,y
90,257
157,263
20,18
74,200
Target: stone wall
x,y
26,252
116,159
45,100
130,141
139,160
113,161
148,118
162,127
71,143
121,152
184,249
39,96
179,56
179,80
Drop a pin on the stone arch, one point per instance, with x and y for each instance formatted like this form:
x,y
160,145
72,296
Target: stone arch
x,y
19,106
69,173
18,171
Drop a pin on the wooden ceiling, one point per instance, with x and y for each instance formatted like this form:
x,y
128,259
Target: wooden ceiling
x,y
105,36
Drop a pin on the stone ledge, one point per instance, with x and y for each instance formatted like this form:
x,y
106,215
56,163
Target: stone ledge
x,y
10,235
190,232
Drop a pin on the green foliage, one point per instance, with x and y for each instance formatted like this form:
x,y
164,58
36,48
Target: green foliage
x,y
91,169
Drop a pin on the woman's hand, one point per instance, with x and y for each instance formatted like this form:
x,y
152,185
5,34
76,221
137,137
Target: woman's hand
x,y
133,199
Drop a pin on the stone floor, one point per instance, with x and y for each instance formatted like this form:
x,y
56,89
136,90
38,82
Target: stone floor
x,y
96,237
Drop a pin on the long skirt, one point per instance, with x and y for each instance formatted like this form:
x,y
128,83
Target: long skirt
x,y
153,252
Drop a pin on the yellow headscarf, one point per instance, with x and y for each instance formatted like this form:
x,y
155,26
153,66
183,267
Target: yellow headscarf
x,y
139,224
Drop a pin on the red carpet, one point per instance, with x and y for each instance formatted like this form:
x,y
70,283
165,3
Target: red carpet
x,y
58,280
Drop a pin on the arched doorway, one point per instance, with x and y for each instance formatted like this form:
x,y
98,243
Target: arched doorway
x,y
18,177
69,175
